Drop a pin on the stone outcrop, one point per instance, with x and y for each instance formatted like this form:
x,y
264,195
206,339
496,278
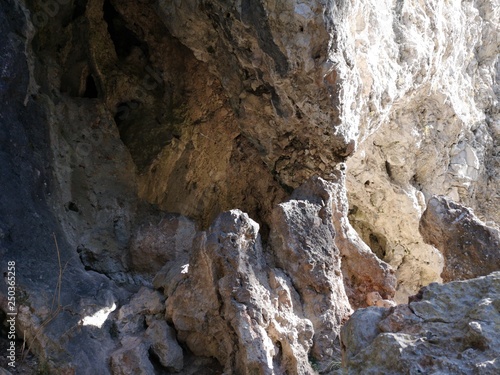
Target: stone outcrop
x,y
273,61
145,309
363,271
287,303
450,328
128,127
231,306
302,241
470,248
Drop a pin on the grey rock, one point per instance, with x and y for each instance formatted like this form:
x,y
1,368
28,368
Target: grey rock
x,y
131,358
447,328
164,345
131,318
232,306
303,245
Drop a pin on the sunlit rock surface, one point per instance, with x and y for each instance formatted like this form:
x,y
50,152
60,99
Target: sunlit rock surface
x,y
450,328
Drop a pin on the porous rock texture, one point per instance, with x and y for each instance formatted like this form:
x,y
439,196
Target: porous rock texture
x,y
232,307
134,134
423,89
446,329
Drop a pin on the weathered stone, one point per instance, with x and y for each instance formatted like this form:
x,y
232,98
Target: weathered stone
x,y
470,248
363,271
131,358
375,299
274,64
230,305
426,127
130,319
156,244
109,106
302,240
449,328
164,345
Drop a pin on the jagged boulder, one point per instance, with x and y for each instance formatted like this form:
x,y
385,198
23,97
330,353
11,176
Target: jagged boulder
x,y
363,271
271,310
303,245
470,247
447,328
141,328
232,306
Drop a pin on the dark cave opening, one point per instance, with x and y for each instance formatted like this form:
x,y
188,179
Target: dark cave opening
x,y
123,38
79,9
91,90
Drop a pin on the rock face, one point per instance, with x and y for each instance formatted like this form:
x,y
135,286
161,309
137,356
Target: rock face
x,y
302,240
363,271
156,244
427,109
230,305
128,127
269,311
450,329
470,248
273,61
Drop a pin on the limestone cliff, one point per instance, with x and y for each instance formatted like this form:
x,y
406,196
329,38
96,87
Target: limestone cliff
x,y
224,182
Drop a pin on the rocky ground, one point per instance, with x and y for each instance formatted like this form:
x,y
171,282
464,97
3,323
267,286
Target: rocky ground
x,y
268,187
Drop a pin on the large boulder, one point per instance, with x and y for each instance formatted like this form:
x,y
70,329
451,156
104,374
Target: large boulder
x,y
447,328
470,247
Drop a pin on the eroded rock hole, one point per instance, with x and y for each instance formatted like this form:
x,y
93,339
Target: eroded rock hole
x,y
388,169
377,244
91,90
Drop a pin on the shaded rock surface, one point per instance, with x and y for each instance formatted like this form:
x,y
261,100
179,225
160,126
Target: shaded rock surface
x,y
470,248
52,295
451,328
118,115
268,311
156,244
